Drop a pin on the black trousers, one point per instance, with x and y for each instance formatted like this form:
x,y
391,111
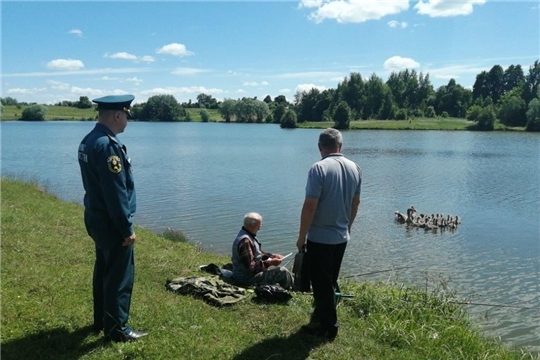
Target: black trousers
x,y
324,265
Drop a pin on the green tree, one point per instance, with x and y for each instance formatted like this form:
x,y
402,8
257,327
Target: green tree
x,y
453,98
205,115
83,103
512,78
352,91
486,119
533,115
481,87
496,82
278,113
251,110
306,102
342,116
473,112
281,99
267,99
430,112
532,82
207,101
226,109
34,113
9,101
162,108
512,109
288,120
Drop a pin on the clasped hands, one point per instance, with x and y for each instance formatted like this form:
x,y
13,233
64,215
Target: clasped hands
x,y
273,260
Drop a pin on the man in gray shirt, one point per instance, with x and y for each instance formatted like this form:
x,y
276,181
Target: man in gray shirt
x,y
330,207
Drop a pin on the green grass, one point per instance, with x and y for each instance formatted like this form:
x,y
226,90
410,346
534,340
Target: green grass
x,y
11,112
413,124
47,261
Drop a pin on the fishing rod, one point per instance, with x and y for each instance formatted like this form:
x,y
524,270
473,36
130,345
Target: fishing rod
x,y
493,305
377,272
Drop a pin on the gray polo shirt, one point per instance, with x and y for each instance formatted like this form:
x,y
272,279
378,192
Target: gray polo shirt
x,y
334,181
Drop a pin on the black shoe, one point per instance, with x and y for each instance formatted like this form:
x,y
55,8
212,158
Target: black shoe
x,y
326,333
131,336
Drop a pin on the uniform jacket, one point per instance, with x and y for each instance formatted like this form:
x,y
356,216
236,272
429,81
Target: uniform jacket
x,y
109,198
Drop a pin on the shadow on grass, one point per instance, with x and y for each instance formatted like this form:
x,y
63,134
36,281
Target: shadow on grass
x,y
51,344
298,346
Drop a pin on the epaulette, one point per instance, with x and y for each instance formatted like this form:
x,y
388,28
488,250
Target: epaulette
x,y
113,139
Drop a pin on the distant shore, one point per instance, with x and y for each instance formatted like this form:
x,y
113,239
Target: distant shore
x,y
64,113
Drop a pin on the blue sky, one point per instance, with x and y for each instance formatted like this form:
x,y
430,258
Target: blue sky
x,y
54,51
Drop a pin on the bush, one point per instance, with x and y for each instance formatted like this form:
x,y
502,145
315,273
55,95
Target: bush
x,y
512,110
342,116
205,115
533,116
486,119
288,120
473,112
444,114
430,112
34,113
401,114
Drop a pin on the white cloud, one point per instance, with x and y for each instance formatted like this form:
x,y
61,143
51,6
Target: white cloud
x,y
397,24
181,90
308,87
309,74
240,91
134,80
95,92
281,91
26,91
254,83
121,55
355,11
147,58
188,71
310,3
400,63
65,64
58,85
446,8
174,49
455,71
76,32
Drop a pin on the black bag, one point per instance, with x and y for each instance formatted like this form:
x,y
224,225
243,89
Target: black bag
x,y
302,280
272,293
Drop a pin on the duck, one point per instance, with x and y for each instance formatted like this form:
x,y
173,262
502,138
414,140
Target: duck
x,y
400,217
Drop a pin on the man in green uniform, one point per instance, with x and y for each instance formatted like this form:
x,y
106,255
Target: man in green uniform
x,y
110,204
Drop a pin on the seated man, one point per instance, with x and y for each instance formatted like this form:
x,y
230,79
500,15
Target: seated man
x,y
251,265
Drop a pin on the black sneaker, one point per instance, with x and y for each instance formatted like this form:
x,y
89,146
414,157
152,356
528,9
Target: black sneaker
x,y
326,333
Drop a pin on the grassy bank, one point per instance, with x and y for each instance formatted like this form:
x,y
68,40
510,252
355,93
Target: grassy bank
x,y
69,113
12,112
47,261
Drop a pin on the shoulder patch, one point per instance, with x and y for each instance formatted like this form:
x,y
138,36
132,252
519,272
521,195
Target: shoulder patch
x,y
114,164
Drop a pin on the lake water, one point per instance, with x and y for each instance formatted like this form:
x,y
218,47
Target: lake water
x,y
201,178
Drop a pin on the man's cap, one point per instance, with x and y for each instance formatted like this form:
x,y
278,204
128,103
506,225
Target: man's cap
x,y
115,102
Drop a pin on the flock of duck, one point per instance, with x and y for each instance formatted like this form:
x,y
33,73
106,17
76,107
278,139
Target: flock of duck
x,y
428,222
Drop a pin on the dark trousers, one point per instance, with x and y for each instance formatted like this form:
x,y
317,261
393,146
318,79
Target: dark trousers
x,y
324,265
114,271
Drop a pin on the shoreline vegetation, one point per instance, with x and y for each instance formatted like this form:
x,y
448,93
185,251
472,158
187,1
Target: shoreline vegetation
x,y
46,274
63,113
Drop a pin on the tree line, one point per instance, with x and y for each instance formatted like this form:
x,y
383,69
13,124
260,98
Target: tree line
x,y
509,96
